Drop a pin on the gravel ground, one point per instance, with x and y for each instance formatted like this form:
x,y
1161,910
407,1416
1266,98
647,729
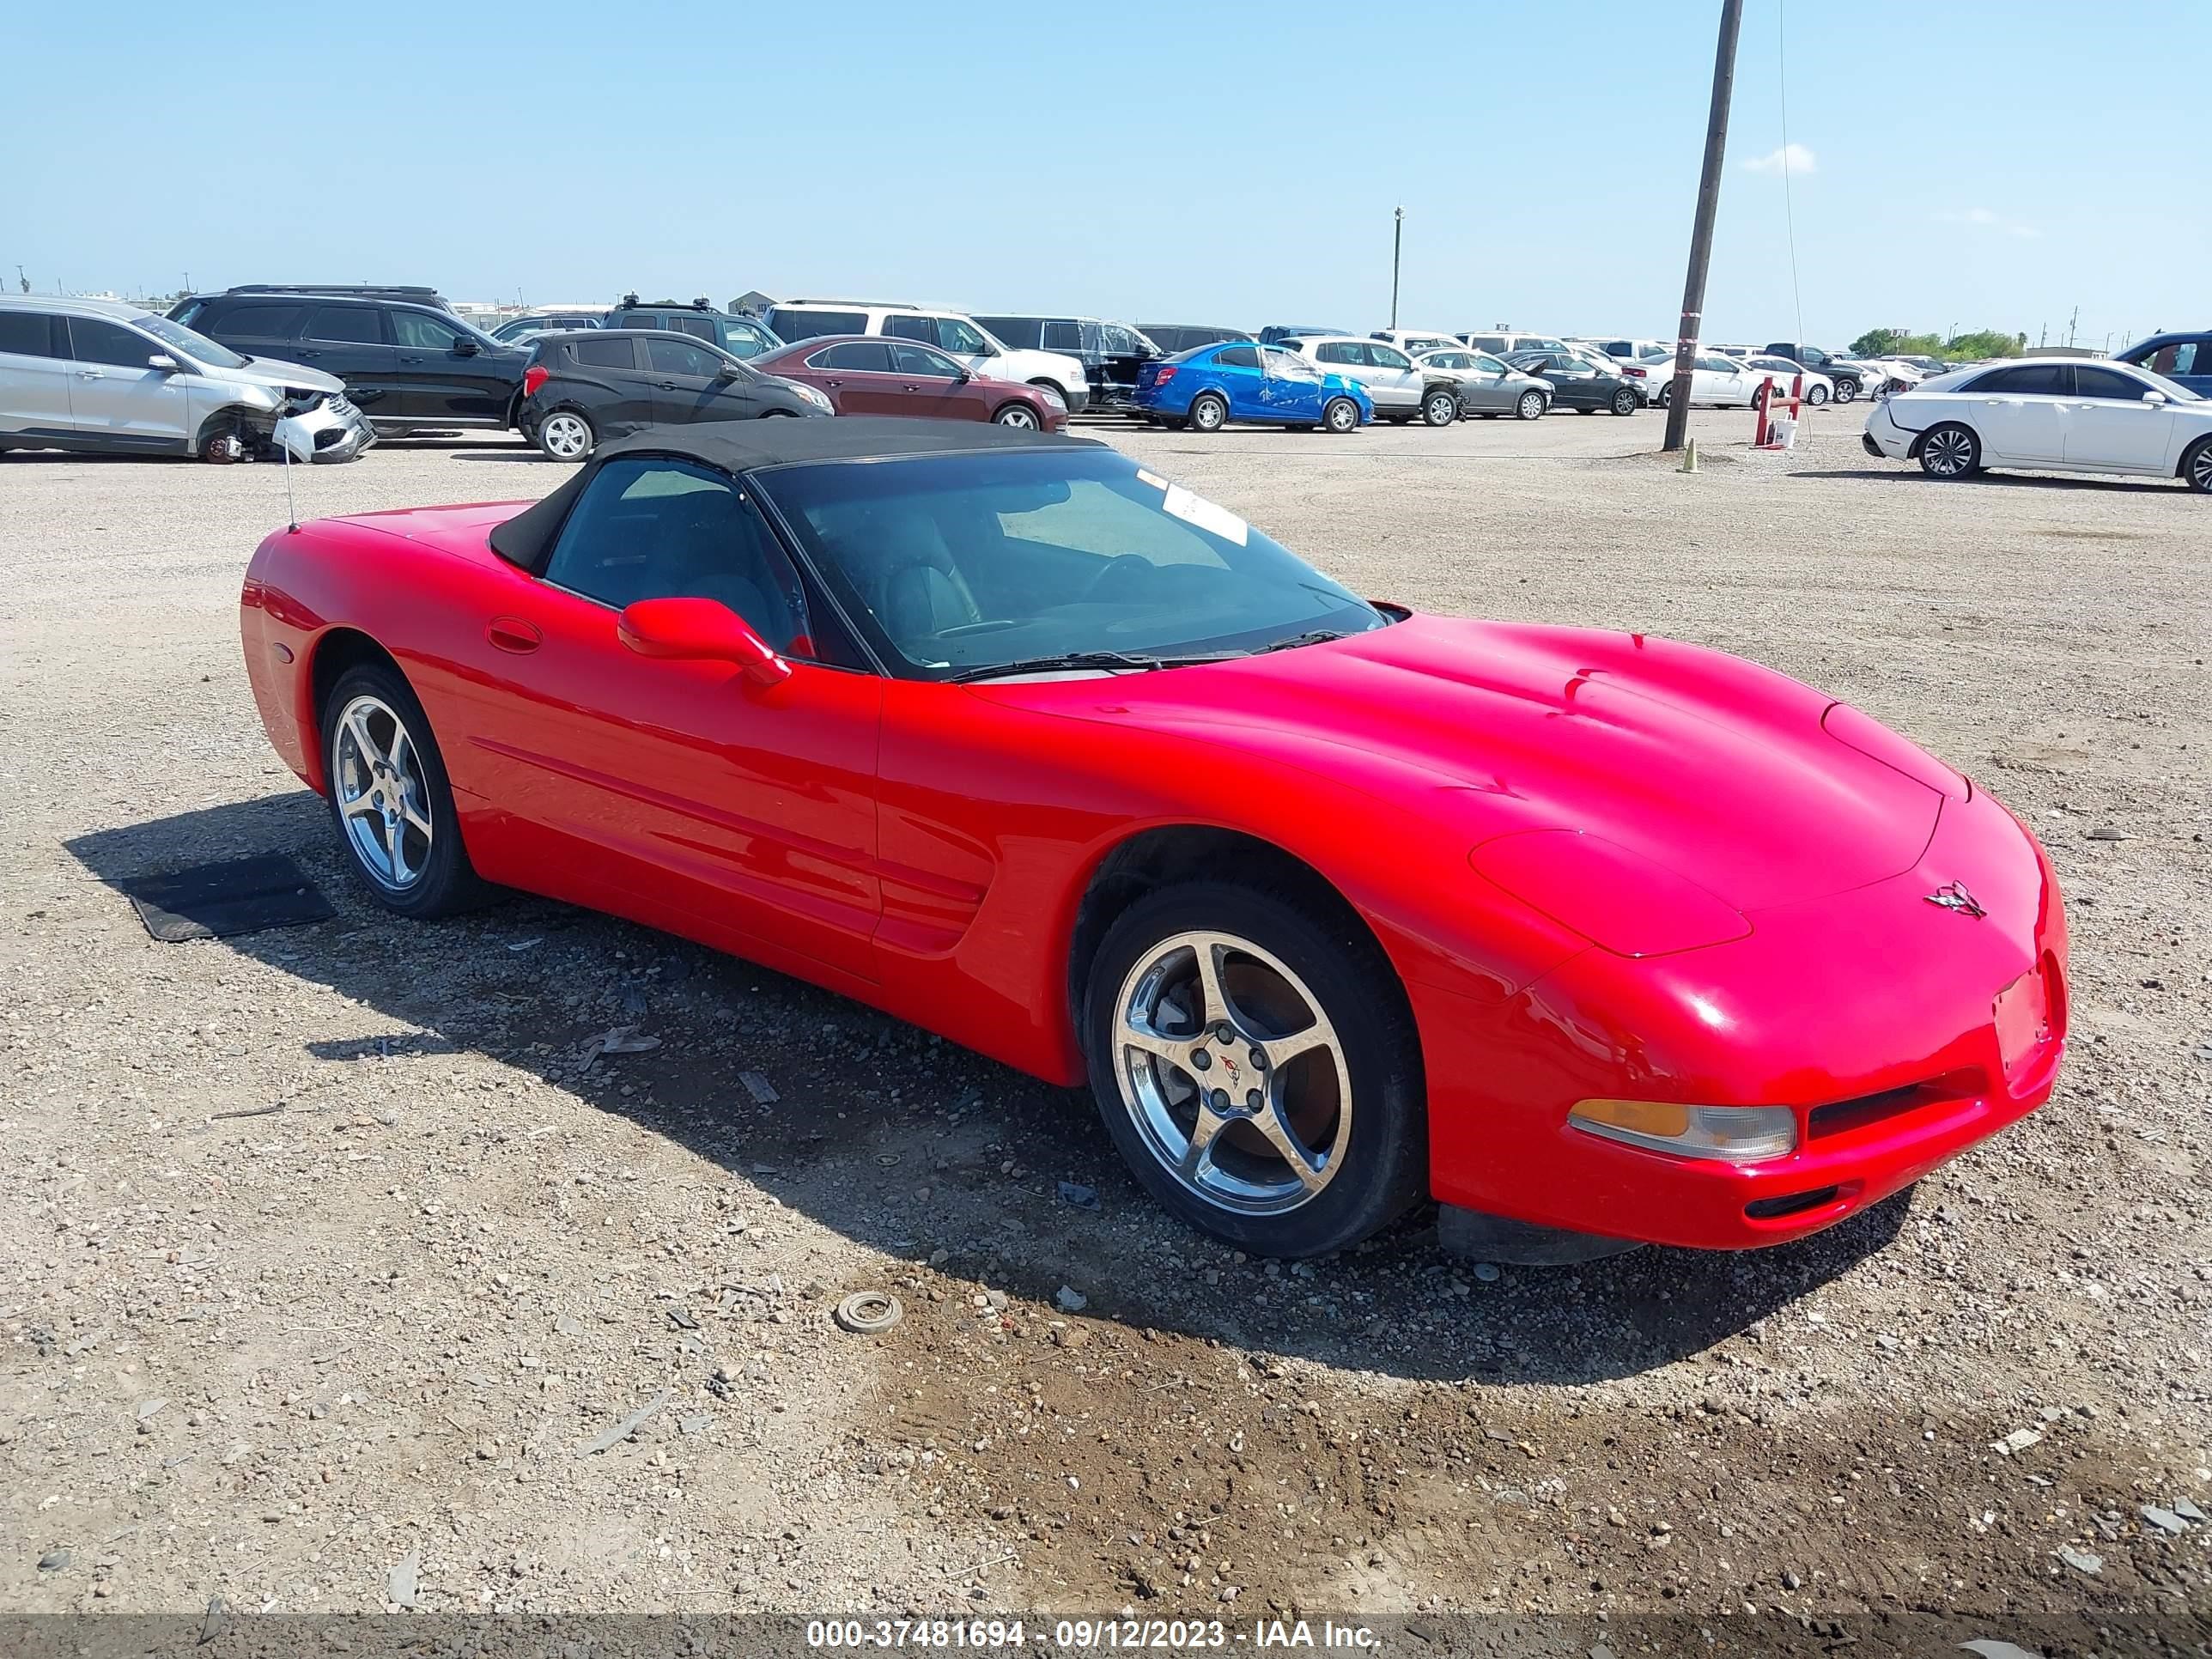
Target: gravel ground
x,y
357,1352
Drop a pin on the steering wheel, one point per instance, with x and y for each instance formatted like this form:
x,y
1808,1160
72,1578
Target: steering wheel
x,y
1128,564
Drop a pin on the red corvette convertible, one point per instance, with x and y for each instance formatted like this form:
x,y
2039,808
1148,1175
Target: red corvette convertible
x,y
1592,937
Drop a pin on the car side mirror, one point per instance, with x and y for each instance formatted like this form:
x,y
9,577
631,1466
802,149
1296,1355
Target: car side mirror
x,y
700,631
163,363
465,347
2154,396
727,371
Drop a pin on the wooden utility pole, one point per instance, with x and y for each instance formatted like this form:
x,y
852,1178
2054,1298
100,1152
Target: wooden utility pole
x,y
1701,234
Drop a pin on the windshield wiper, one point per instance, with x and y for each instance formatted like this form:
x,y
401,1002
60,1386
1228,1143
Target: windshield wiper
x,y
1314,636
1076,659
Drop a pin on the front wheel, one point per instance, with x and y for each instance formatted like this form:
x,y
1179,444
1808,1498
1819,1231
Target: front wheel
x,y
389,797
1846,391
1531,406
2196,467
1208,412
1020,416
1342,416
565,434
1255,1065
1950,451
1626,401
1440,408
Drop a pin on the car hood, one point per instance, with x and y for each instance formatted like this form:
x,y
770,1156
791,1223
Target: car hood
x,y
1710,767
276,374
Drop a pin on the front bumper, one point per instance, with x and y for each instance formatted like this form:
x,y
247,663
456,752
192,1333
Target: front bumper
x,y
334,430
1871,1014
1077,396
1882,437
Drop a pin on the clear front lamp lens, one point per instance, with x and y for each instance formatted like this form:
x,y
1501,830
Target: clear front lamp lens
x,y
1740,1134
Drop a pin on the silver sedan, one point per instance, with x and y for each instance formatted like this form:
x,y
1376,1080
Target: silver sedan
x,y
1488,386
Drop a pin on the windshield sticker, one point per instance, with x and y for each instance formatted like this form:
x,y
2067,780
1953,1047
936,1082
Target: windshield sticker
x,y
1197,510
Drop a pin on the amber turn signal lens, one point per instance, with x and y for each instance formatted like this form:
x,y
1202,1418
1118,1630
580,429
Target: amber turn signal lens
x,y
1738,1134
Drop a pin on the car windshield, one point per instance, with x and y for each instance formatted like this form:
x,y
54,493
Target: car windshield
x,y
197,347
960,564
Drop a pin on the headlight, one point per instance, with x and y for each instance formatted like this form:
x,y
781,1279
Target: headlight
x,y
1737,1134
1053,395
819,399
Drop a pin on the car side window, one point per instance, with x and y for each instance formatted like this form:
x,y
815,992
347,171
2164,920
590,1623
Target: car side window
x,y
909,328
1384,357
420,332
2183,357
1237,357
619,353
2090,382
261,322
31,334
346,324
1063,336
866,356
1339,351
92,341
2027,380
921,361
667,354
654,527
956,336
1288,365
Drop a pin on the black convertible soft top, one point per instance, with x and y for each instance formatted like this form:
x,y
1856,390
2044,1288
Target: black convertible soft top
x,y
739,447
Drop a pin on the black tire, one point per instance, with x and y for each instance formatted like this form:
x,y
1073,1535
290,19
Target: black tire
x,y
1018,415
565,434
1440,407
1846,391
1209,412
2196,467
447,882
1340,416
1666,397
1950,452
1380,1167
1626,401
1817,396
1530,407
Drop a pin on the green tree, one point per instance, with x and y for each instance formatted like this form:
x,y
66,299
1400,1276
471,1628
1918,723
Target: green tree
x,y
1900,342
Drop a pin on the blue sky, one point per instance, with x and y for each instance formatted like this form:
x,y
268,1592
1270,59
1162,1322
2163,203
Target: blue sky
x,y
1960,164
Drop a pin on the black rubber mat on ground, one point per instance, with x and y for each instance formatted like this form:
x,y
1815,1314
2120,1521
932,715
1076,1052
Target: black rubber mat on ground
x,y
211,900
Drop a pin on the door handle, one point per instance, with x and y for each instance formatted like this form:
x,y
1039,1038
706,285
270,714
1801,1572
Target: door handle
x,y
306,354
87,374
512,634
833,383
909,388
670,385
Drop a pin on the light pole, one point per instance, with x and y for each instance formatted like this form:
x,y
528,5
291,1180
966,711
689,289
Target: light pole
x,y
1397,247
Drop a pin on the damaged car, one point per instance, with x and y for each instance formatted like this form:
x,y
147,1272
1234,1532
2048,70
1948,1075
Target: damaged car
x,y
103,377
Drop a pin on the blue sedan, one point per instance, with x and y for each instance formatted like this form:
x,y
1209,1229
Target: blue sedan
x,y
1206,388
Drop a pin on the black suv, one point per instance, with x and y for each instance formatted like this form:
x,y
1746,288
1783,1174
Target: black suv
x,y
408,364
1113,355
741,337
585,388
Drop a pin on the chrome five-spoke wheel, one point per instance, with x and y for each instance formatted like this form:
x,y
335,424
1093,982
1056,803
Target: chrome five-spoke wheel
x,y
382,793
1231,1073
565,436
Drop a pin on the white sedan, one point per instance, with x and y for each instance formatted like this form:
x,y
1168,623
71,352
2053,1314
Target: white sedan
x,y
2049,415
1817,388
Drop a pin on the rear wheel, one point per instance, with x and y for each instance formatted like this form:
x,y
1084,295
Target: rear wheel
x,y
1531,406
1020,416
1846,391
1209,412
1440,408
1342,416
1666,397
2196,467
1950,451
1254,1064
565,434
389,797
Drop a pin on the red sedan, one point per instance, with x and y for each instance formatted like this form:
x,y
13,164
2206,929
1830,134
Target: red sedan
x,y
871,374
1332,907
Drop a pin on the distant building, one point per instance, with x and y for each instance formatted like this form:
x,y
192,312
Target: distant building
x,y
753,304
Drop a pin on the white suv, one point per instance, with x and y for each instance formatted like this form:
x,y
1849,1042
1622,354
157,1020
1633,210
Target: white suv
x,y
953,332
1400,387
